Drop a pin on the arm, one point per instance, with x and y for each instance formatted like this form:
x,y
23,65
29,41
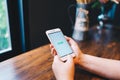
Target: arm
x,y
104,67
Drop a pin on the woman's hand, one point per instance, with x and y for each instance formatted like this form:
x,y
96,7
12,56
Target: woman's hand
x,y
74,46
63,70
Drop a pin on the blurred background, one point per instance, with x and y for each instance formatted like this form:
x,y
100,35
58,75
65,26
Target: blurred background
x,y
23,22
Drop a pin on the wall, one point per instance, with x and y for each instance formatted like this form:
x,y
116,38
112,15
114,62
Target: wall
x,y
46,14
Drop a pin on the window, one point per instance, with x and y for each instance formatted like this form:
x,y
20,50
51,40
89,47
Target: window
x,y
5,38
10,29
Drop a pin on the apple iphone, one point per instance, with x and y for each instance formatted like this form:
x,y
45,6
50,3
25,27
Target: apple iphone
x,y
60,44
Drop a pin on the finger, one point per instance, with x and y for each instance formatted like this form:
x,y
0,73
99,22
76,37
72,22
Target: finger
x,y
69,59
67,38
57,59
72,41
53,52
51,46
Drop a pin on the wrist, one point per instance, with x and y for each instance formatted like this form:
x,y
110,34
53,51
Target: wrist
x,y
81,60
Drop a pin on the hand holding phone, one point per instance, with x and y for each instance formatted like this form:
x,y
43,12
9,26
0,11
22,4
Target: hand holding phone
x,y
58,40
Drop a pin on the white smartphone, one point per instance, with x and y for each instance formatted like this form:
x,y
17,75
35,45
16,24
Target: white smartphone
x,y
60,44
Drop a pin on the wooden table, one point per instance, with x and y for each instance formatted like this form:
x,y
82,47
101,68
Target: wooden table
x,y
36,64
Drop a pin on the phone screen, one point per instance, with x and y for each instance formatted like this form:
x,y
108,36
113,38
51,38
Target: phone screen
x,y
61,45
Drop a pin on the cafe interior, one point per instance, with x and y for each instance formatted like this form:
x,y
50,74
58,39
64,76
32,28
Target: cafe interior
x,y
25,52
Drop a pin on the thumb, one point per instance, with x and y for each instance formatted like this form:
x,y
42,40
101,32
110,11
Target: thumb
x,y
69,59
71,41
57,59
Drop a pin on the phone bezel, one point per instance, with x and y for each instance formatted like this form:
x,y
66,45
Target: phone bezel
x,y
63,58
